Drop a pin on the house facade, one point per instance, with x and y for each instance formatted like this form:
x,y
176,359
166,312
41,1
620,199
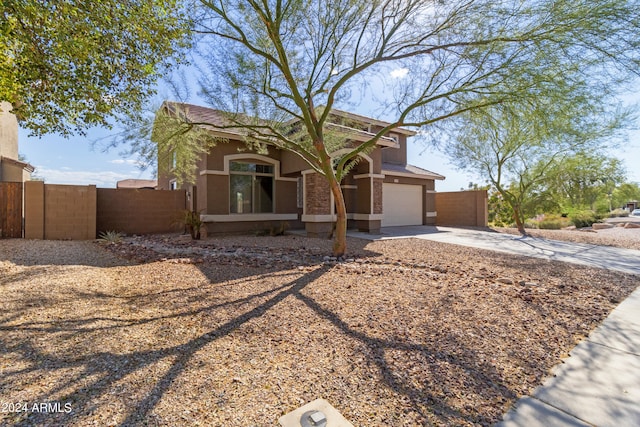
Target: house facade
x,y
11,169
240,190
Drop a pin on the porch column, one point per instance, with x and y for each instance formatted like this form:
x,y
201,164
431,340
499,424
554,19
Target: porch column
x,y
368,216
318,208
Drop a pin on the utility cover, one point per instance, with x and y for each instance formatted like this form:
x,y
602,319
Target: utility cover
x,y
318,413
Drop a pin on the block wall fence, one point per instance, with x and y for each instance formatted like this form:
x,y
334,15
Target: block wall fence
x,y
78,212
75,212
462,208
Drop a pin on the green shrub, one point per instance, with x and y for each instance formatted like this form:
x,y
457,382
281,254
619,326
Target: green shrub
x,y
583,218
191,221
547,222
110,236
279,230
554,222
617,213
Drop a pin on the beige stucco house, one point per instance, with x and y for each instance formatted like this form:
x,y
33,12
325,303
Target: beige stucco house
x,y
11,169
241,190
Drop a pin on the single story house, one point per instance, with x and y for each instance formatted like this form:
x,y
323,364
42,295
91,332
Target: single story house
x,y
241,190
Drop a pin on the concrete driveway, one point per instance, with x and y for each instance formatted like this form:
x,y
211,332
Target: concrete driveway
x,y
607,257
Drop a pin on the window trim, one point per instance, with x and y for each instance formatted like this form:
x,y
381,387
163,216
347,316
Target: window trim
x,y
254,197
246,156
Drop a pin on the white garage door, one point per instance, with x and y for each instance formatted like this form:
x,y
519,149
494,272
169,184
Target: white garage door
x,y
401,204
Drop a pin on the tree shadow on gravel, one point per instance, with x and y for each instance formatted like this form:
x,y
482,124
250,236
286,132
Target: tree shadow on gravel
x,y
96,374
87,380
434,363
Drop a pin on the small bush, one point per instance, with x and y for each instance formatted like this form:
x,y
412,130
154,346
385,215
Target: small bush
x,y
191,221
547,222
618,213
279,230
554,222
110,236
583,218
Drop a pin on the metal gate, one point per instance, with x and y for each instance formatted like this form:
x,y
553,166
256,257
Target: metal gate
x,y
10,209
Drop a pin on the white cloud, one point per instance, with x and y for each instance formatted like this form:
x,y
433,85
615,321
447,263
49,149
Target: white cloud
x,y
98,178
399,73
124,162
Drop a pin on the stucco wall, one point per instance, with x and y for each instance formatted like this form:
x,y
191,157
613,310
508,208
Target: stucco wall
x,y
12,173
8,132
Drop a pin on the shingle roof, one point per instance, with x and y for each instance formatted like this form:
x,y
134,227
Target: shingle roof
x,y
409,170
204,115
373,121
218,118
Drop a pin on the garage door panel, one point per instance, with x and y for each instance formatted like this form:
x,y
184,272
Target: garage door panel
x,y
401,204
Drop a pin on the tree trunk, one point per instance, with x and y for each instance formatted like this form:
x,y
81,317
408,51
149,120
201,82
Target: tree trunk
x,y
517,216
340,236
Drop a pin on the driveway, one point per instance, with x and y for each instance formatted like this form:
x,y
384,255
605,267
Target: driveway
x,y
607,257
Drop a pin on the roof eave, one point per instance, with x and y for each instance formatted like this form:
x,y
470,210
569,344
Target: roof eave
x,y
373,121
414,175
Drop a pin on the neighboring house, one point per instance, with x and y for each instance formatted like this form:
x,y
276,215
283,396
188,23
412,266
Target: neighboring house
x,y
240,190
11,168
139,184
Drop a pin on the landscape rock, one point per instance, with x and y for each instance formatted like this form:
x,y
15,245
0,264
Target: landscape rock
x,y
602,225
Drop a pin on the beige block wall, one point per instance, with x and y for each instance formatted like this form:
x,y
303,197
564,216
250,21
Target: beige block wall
x,y
70,212
34,210
60,212
132,211
73,212
462,208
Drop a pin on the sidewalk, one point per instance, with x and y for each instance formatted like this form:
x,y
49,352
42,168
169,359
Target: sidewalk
x,y
599,385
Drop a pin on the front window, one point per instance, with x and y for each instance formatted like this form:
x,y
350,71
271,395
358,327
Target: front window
x,y
251,187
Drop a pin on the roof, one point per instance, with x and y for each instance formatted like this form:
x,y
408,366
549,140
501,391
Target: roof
x,y
25,166
372,121
200,114
137,183
219,120
409,171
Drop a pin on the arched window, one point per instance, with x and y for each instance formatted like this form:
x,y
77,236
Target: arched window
x,y
251,187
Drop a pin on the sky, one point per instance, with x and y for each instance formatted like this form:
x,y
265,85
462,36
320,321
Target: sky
x,y
82,160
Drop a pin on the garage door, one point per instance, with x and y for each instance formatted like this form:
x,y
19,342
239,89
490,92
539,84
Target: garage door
x,y
401,204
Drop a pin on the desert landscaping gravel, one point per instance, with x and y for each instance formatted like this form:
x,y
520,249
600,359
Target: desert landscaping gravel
x,y
239,330
618,236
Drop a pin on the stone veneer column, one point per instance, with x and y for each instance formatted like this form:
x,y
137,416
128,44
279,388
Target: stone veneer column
x,y
317,214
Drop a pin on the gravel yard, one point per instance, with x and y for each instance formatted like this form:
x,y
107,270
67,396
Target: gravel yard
x,y
237,331
620,237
